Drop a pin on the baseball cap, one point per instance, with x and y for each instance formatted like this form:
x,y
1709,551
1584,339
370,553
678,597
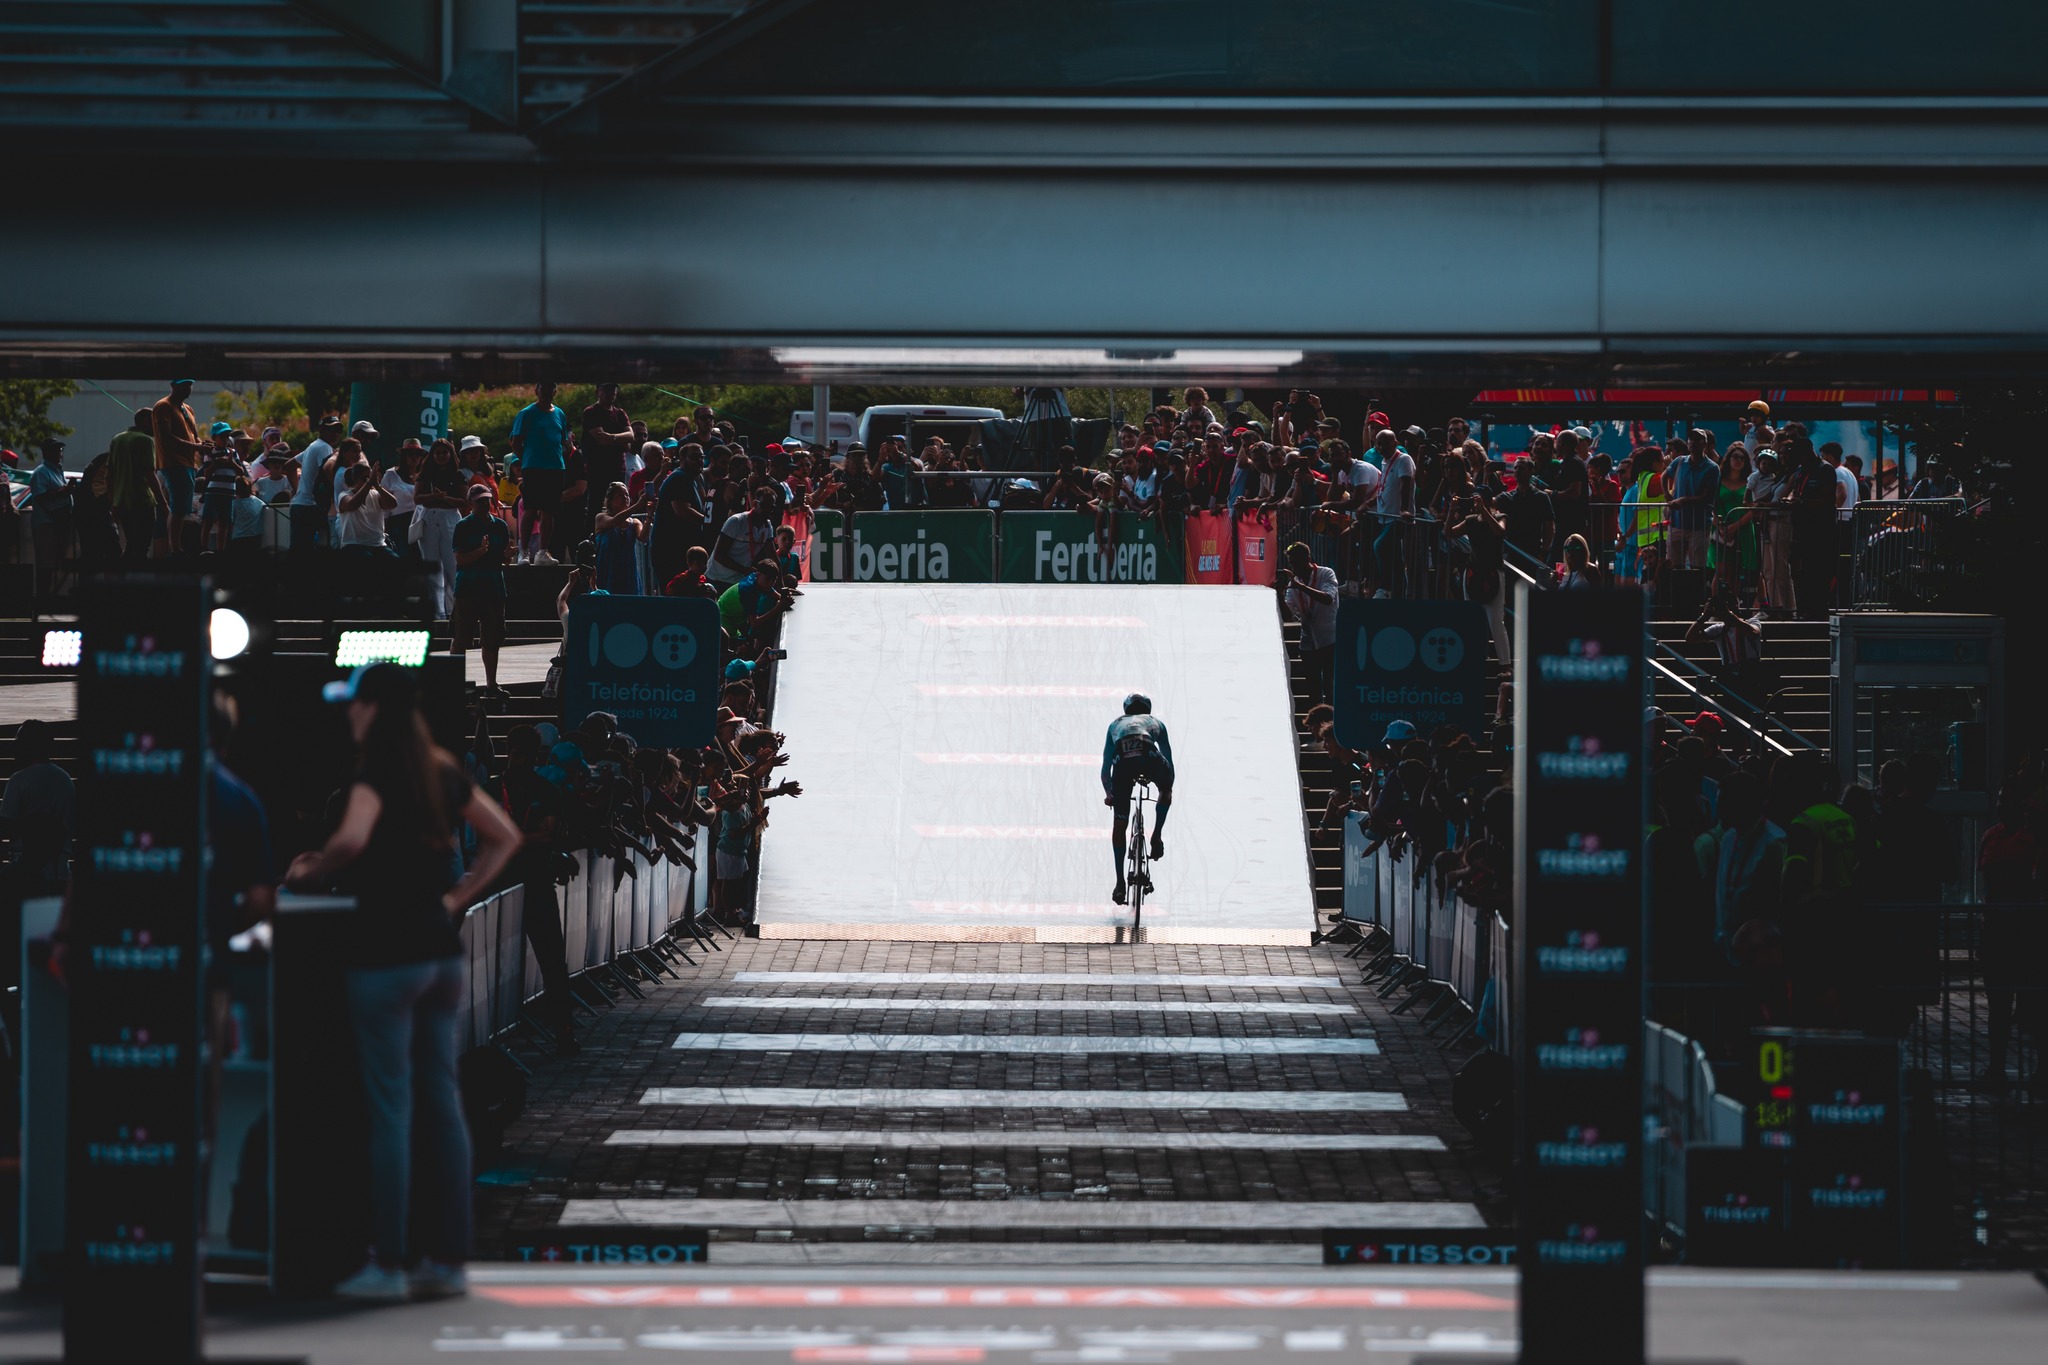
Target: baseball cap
x,y
1707,720
379,683
1760,407
187,383
1398,732
792,443
1379,419
51,443
221,428
479,491
671,443
363,429
774,447
472,443
332,419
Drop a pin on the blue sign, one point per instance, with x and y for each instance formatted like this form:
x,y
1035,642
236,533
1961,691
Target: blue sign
x,y
650,661
1422,662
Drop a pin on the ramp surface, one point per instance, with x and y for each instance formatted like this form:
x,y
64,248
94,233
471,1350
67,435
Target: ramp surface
x,y
949,743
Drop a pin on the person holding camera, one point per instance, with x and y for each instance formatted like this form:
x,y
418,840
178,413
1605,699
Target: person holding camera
x,y
1309,591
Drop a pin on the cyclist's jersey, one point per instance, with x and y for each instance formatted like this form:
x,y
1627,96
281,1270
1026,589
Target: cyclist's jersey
x,y
1134,737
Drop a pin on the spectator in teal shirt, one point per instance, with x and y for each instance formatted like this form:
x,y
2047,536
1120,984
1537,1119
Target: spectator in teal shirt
x,y
540,438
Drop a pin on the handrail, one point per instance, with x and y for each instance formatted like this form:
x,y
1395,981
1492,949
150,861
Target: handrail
x,y
1656,647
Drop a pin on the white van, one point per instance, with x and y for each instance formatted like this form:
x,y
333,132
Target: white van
x,y
803,424
897,419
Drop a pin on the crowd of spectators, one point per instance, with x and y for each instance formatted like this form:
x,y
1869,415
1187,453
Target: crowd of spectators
x,y
1778,896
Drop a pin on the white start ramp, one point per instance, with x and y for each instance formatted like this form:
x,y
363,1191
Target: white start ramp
x,y
949,744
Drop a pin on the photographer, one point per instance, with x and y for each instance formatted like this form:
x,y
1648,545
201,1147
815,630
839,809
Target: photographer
x,y
1310,593
1471,518
1739,642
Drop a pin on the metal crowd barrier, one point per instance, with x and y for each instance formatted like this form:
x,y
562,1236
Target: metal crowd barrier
x,y
1425,941
1903,549
1685,1110
1438,947
604,929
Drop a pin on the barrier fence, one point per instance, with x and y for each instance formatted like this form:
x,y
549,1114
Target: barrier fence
x,y
610,931
1453,959
1903,552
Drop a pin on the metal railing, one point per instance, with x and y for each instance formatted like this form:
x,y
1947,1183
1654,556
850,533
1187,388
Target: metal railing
x,y
613,929
1684,1109
1904,553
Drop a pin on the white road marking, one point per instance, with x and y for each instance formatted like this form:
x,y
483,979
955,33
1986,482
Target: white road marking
x,y
1028,622
1213,981
1011,760
885,1002
1047,1043
878,1097
1263,1215
1089,692
1075,832
1025,1137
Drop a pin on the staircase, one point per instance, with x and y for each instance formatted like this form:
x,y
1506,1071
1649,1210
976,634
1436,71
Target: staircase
x,y
1800,650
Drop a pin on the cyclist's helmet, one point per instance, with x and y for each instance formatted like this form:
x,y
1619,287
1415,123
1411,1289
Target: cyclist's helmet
x,y
1137,704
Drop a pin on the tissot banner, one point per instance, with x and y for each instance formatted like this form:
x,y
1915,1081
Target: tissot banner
x,y
1580,811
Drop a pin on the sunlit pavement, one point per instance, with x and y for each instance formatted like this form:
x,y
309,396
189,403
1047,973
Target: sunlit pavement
x,y
1130,1316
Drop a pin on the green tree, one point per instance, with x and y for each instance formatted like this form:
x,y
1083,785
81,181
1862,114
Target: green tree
x,y
25,411
277,404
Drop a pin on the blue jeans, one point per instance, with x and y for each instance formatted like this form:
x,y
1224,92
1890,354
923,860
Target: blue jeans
x,y
407,1038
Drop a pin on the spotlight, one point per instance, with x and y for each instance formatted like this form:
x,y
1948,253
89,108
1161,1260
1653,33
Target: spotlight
x,y
228,633
358,647
63,648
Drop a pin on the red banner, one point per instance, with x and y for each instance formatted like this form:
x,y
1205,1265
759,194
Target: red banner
x,y
1258,549
1209,557
800,523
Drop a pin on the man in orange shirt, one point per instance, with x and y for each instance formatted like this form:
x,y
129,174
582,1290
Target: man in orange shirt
x,y
178,449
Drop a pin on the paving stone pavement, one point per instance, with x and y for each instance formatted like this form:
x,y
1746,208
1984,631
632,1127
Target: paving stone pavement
x,y
560,1151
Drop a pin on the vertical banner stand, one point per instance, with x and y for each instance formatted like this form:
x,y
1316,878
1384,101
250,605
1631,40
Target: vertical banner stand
x,y
1579,939
134,952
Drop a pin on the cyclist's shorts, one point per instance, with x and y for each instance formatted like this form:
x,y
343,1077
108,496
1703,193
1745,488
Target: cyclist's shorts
x,y
1152,767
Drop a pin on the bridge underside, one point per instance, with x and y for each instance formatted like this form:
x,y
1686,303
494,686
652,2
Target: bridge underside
x,y
1565,242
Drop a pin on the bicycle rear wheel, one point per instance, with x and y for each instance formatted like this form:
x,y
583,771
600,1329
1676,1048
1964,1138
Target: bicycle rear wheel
x,y
1141,872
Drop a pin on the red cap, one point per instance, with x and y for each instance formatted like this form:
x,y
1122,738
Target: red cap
x,y
775,447
1242,431
1378,419
1707,720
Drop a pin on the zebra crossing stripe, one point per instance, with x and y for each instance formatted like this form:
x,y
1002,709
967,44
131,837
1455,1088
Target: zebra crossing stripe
x,y
941,1003
1024,1137
1039,1043
885,1097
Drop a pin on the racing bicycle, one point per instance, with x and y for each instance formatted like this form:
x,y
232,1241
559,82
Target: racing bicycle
x,y
1140,865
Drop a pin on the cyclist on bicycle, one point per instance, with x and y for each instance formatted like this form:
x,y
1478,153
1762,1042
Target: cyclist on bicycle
x,y
1136,748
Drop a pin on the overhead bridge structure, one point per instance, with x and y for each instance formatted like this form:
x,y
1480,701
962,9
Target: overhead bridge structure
x,y
816,189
